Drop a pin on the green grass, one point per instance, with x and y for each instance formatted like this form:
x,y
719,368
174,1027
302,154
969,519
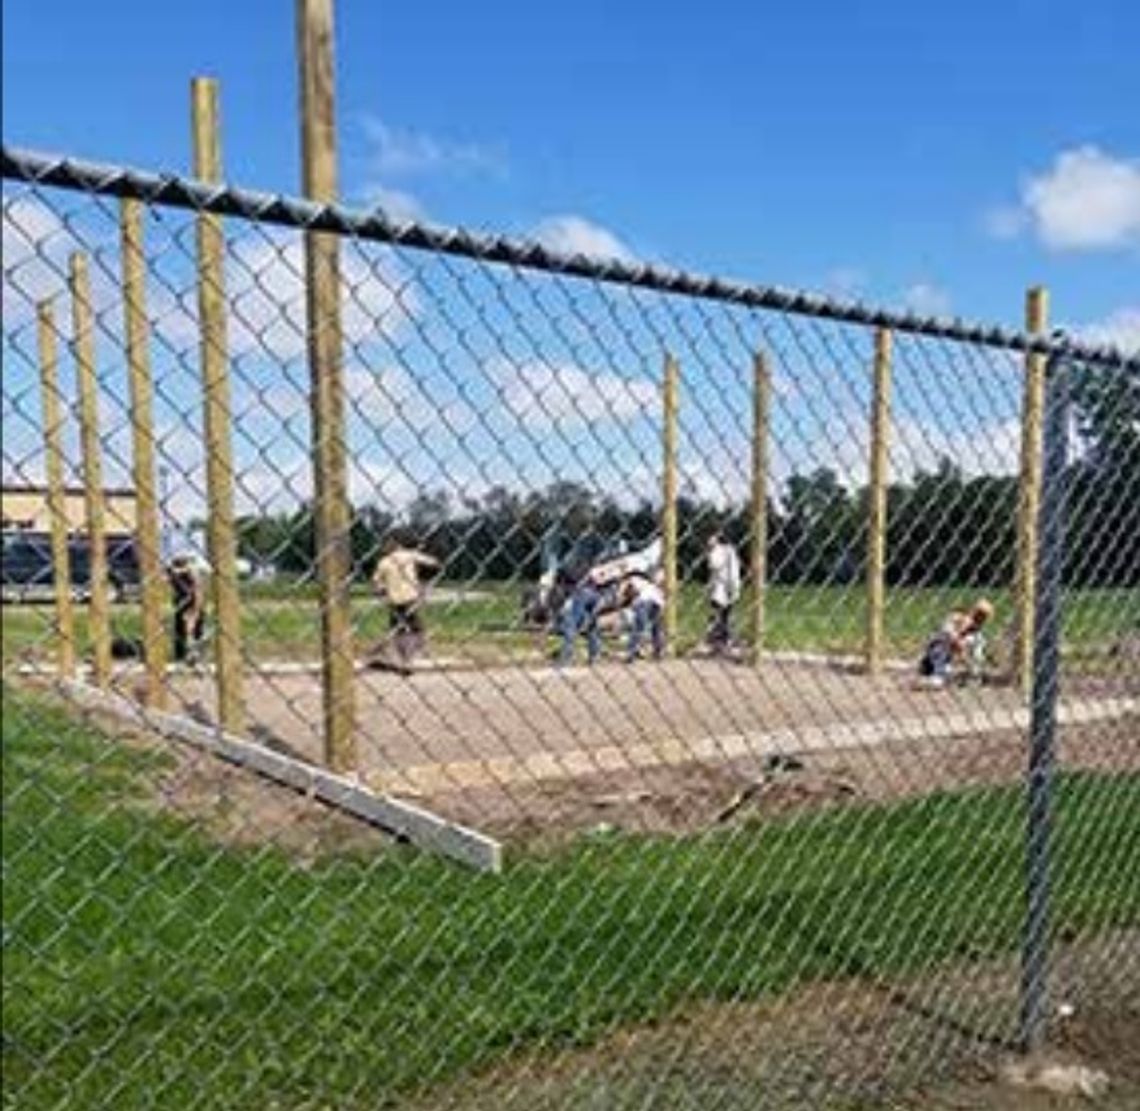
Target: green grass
x,y
144,964
487,628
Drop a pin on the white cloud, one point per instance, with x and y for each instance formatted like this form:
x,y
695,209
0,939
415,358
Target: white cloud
x,y
986,449
916,446
1087,200
36,248
540,394
383,485
35,244
846,282
398,151
926,299
575,235
281,484
392,395
1120,329
395,203
265,290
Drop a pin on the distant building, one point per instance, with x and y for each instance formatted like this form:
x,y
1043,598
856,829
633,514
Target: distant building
x,y
24,508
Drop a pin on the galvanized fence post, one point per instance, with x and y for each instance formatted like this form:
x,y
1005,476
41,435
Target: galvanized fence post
x,y
1043,719
1029,493
761,418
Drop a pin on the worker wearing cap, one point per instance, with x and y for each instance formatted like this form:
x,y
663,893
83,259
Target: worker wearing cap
x,y
959,640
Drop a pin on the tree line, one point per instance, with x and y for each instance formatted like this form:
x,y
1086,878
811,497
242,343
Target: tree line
x,y
945,527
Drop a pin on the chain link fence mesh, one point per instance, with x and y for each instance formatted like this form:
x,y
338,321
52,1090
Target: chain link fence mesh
x,y
751,812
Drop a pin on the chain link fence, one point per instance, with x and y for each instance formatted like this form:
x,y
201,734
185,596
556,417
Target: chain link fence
x,y
443,672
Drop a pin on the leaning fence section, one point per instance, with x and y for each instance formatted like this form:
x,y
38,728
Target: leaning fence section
x,y
780,647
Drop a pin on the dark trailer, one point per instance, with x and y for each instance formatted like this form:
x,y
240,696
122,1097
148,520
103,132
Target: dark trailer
x,y
27,573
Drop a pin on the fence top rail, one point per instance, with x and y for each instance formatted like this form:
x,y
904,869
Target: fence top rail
x,y
38,168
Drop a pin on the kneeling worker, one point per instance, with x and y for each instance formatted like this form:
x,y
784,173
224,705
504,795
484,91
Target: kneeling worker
x,y
648,602
959,640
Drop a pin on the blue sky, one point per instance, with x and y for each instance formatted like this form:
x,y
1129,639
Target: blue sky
x,y
942,162
853,146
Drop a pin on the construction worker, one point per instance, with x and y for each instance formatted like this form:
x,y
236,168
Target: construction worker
x,y
397,580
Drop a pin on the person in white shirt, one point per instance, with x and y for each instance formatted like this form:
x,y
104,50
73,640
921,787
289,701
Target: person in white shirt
x,y
648,602
724,590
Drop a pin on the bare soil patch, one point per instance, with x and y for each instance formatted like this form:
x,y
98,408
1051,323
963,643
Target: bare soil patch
x,y
701,796
938,1042
523,751
235,806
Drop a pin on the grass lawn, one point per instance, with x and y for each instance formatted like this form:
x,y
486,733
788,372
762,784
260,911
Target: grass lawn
x,y
146,965
486,624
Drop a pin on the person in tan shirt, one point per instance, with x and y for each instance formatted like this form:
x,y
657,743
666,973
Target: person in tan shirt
x,y
397,580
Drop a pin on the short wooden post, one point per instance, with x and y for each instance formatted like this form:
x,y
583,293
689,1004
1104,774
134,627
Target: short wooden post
x,y
220,537
1029,490
669,499
329,449
142,445
83,341
877,500
761,402
53,465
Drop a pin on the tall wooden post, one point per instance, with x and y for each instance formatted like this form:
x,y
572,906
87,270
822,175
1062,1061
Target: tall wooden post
x,y
669,499
142,444
877,497
761,402
1029,490
322,302
83,340
53,465
220,538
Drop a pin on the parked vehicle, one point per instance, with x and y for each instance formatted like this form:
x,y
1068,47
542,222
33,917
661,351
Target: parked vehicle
x,y
26,571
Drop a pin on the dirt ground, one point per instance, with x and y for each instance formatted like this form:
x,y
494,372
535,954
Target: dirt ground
x,y
527,754
939,1042
698,796
236,805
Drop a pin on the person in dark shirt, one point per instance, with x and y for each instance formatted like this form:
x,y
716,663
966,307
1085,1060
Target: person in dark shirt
x,y
580,615
189,608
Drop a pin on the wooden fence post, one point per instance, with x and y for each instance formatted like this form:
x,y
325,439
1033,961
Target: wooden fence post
x,y
142,444
83,340
761,402
877,494
1029,491
669,499
220,537
53,466
329,448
